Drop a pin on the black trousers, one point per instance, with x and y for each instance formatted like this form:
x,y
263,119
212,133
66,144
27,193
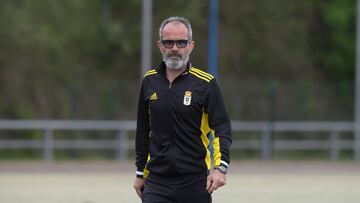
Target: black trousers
x,y
185,189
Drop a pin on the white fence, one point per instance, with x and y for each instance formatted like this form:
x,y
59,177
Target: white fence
x,y
123,144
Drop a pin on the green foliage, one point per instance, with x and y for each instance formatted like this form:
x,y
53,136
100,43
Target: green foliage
x,y
50,47
339,50
81,59
337,57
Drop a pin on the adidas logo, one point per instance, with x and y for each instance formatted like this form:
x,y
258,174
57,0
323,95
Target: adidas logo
x,y
153,96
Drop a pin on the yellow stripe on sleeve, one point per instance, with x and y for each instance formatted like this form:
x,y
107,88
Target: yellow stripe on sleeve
x,y
205,129
150,72
199,76
146,171
205,74
216,145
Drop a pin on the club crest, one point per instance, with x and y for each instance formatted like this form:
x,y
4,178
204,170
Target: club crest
x,y
187,98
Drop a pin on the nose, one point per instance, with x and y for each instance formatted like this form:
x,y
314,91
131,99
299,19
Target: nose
x,y
175,48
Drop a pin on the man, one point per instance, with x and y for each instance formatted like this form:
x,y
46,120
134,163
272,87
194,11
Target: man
x,y
179,107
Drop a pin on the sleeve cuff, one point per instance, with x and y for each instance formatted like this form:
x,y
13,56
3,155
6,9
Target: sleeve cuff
x,y
139,174
223,163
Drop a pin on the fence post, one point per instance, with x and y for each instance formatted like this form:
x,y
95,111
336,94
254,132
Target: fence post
x,y
123,142
266,143
48,145
357,139
334,145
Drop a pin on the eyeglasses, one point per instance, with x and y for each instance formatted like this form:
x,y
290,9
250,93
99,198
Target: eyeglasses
x,y
182,43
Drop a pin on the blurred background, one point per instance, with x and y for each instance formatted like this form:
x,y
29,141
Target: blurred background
x,y
81,60
70,72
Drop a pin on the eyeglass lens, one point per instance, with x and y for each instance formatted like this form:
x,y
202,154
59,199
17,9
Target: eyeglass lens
x,y
179,43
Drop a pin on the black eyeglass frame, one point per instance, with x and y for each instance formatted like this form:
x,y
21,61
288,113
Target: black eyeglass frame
x,y
181,43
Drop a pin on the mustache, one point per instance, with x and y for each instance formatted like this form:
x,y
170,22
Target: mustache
x,y
174,55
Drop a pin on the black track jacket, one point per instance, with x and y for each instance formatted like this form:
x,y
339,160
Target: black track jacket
x,y
174,122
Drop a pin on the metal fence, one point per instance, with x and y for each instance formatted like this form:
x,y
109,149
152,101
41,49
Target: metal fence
x,y
266,142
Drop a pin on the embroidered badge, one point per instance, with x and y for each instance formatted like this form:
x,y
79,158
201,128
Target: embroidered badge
x,y
187,98
153,96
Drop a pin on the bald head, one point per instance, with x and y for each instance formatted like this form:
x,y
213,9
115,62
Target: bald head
x,y
176,20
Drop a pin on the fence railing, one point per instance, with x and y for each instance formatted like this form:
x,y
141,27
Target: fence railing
x,y
266,143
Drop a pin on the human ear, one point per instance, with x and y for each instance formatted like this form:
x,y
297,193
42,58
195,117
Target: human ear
x,y
159,45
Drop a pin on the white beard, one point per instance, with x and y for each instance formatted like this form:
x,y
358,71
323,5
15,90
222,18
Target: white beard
x,y
175,63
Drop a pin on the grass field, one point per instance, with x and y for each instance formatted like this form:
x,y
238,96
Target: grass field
x,y
248,182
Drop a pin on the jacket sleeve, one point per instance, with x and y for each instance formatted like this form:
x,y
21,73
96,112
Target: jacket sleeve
x,y
142,134
219,124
